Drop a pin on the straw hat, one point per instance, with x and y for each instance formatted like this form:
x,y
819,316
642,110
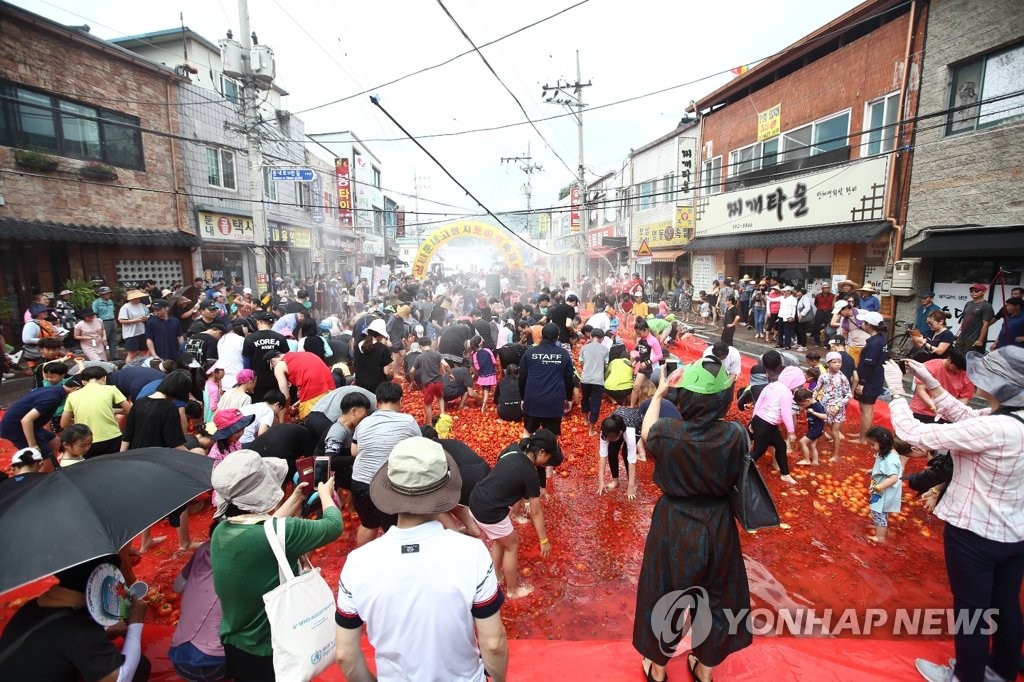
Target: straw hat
x,y
849,282
133,294
868,288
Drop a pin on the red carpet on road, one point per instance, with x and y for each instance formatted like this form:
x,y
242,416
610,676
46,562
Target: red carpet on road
x,y
578,622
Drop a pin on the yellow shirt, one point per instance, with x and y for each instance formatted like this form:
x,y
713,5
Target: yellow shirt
x,y
93,405
640,309
620,375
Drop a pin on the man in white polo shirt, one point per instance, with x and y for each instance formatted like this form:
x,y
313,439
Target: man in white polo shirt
x,y
448,597
373,440
729,356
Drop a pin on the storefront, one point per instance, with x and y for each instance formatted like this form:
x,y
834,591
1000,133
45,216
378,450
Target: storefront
x,y
227,246
601,258
372,250
808,230
339,252
668,242
290,249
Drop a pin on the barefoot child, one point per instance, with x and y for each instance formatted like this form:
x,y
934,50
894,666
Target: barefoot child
x,y
815,425
885,481
833,393
617,438
486,371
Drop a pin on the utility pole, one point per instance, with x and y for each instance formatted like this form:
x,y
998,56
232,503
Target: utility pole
x,y
251,114
560,93
419,182
529,168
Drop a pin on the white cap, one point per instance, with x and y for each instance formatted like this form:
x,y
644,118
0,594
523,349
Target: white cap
x,y
247,290
26,456
870,316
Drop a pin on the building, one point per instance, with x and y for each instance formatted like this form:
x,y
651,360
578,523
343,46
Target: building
x,y
218,172
965,221
91,169
801,172
607,248
360,168
336,252
660,199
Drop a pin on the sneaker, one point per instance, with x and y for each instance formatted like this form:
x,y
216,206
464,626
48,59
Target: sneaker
x,y
800,349
8,375
933,672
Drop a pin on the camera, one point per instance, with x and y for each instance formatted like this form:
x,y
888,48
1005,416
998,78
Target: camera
x,y
938,471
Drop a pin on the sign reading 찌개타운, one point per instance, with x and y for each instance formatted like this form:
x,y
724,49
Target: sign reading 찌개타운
x,y
848,194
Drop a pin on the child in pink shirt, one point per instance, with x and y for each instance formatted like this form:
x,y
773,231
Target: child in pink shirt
x,y
774,407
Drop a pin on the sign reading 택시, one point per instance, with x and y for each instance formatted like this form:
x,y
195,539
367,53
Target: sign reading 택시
x,y
851,193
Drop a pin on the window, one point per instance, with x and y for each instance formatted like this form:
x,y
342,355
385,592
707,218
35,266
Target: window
x,y
816,138
666,190
754,157
269,186
220,168
646,196
302,199
982,91
231,90
831,133
711,178
881,124
35,120
376,176
626,197
378,217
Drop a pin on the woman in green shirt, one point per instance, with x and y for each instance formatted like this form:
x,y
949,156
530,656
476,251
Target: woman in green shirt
x,y
618,382
244,568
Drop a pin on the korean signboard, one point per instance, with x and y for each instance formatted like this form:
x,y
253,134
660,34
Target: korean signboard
x,y
850,194
225,228
295,237
595,237
316,190
687,152
342,172
664,234
400,223
543,225
769,123
574,218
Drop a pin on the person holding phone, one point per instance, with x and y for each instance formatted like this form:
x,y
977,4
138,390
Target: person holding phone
x,y
132,317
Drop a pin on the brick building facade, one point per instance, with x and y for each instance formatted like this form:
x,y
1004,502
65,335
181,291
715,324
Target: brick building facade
x,y
800,175
965,221
90,164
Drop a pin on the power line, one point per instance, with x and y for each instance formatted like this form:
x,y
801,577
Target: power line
x,y
444,63
507,89
440,165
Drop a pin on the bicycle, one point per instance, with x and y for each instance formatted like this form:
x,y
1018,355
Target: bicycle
x,y
902,346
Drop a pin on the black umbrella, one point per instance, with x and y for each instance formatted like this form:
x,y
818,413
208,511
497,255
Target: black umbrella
x,y
49,522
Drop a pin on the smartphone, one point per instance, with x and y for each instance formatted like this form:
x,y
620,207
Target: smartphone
x,y
305,466
321,470
671,366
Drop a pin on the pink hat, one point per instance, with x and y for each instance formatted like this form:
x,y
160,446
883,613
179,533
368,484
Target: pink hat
x,y
832,355
245,376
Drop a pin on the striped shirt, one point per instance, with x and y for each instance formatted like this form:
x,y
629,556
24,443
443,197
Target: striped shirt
x,y
986,495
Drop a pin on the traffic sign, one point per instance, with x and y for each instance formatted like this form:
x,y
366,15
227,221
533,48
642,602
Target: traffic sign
x,y
644,251
644,260
291,174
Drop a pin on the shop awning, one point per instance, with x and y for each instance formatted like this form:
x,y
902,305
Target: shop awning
x,y
667,256
599,251
968,241
42,230
846,233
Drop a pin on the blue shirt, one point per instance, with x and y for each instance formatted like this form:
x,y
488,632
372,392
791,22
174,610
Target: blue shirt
x,y
870,302
165,335
923,313
46,400
815,425
104,309
1012,328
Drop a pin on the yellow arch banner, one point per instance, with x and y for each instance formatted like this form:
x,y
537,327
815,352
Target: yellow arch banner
x,y
466,228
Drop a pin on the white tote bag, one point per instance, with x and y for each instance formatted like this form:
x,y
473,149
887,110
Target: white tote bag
x,y
301,612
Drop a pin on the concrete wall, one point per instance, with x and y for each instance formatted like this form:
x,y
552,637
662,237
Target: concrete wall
x,y
969,177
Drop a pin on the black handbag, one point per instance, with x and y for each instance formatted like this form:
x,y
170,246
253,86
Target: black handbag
x,y
750,501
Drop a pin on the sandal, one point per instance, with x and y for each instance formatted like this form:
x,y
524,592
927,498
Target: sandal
x,y
691,663
647,665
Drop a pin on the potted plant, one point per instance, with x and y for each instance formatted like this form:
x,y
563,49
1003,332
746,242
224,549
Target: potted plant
x,y
35,160
98,171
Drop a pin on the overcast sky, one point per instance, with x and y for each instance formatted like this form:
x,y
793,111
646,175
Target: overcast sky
x,y
327,50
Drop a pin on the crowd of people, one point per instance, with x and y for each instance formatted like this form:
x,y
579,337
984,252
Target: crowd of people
x,y
258,382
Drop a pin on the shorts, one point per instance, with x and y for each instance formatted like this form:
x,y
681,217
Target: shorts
x,y
552,424
880,519
495,531
306,406
815,434
431,392
135,343
867,398
369,515
619,395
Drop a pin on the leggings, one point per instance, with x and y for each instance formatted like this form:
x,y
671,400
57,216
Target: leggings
x,y
615,449
766,435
